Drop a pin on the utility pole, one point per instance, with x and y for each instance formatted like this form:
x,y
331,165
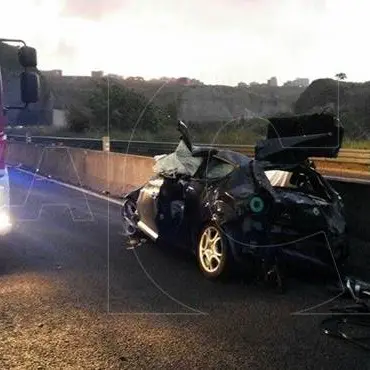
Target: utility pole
x,y
340,77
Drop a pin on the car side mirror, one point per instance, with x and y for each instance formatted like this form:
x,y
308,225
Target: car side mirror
x,y
27,57
30,87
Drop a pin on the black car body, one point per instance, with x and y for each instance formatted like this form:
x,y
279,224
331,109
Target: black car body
x,y
244,208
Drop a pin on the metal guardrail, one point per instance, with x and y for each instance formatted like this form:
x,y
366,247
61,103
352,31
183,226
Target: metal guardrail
x,y
120,146
350,163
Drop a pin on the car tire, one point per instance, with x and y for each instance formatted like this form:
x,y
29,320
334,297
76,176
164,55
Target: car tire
x,y
213,252
129,224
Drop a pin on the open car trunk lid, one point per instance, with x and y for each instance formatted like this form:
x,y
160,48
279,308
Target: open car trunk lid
x,y
296,138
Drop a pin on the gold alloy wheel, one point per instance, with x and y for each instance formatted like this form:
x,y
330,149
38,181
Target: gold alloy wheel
x,y
211,250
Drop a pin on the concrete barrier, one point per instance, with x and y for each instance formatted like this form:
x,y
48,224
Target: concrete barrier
x,y
118,173
96,170
356,198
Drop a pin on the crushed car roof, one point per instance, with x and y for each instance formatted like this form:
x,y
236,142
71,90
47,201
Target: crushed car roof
x,y
233,157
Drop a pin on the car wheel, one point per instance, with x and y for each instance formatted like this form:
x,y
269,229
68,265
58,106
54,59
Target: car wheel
x,y
129,215
213,252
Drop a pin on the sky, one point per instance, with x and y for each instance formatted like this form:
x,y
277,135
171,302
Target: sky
x,y
215,41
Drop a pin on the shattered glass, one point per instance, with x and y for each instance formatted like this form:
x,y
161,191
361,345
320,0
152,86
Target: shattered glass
x,y
180,162
218,169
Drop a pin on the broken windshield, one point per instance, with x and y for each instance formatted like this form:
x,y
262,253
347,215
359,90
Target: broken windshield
x,y
180,162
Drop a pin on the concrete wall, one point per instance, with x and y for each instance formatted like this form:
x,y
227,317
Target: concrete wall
x,y
118,173
100,171
59,118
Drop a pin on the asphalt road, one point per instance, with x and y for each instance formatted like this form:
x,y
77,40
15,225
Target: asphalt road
x,y
75,296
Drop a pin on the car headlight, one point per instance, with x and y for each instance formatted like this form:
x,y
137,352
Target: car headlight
x,y
2,194
5,222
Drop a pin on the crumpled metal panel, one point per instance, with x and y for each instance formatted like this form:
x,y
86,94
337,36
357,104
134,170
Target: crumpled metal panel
x,y
147,203
180,162
293,139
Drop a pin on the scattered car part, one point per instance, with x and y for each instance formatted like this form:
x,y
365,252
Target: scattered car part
x,y
351,316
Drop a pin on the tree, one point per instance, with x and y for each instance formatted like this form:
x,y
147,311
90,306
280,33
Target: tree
x,y
341,76
111,103
78,118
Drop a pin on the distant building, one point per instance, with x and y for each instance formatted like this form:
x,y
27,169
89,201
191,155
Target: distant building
x,y
117,77
303,82
184,81
53,73
298,82
135,78
97,74
272,81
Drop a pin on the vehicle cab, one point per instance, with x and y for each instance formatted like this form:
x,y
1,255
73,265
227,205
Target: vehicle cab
x,y
29,86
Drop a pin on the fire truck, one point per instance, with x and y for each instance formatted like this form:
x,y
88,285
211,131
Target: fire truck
x,y
29,88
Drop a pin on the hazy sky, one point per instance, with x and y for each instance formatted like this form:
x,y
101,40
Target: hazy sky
x,y
216,41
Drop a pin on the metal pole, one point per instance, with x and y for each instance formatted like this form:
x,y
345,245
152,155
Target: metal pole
x,y
338,101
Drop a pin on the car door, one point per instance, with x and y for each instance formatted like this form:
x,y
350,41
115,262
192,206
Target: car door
x,y
147,206
160,207
201,189
170,207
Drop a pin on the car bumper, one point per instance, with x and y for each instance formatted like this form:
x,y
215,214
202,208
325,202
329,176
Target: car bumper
x,y
317,247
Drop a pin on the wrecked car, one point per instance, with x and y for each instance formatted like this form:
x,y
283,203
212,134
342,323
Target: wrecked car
x,y
230,209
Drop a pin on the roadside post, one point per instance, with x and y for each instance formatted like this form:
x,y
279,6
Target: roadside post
x,y
28,138
106,144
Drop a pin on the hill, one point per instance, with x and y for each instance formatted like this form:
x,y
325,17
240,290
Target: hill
x,y
354,104
196,103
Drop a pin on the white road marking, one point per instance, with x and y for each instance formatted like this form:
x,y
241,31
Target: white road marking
x,y
73,187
